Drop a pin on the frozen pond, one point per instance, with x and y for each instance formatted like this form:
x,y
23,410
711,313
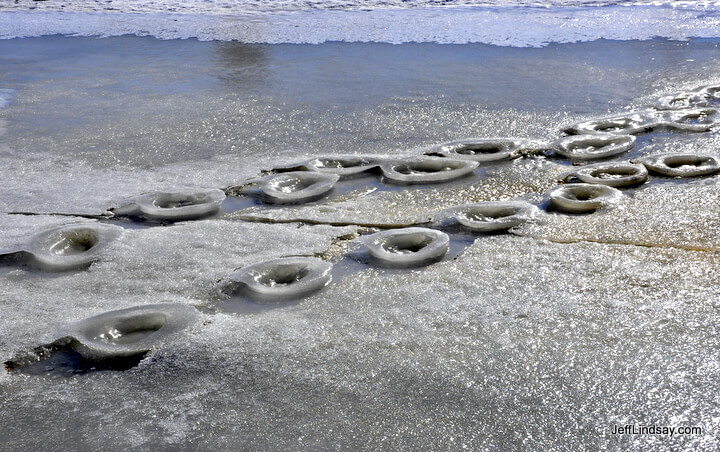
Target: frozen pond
x,y
542,338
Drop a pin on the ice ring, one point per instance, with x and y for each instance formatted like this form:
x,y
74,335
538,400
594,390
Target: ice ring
x,y
281,279
176,206
614,174
342,165
627,124
582,198
690,120
296,187
710,92
128,332
681,101
482,150
592,147
67,247
494,216
681,165
426,170
408,247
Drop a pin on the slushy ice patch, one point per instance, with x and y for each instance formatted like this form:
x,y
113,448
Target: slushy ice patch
x,y
65,248
170,207
115,340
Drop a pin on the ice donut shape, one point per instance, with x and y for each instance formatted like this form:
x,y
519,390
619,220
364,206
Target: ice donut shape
x,y
296,187
128,332
614,174
494,216
681,165
408,247
481,150
66,248
342,165
582,198
627,124
176,206
426,170
710,92
281,279
691,120
681,100
593,147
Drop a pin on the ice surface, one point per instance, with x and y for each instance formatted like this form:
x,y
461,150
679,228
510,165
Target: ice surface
x,y
540,339
519,27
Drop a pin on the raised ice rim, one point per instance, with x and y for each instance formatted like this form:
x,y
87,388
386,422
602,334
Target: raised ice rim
x,y
634,174
359,164
437,244
661,164
508,148
442,170
605,145
164,319
44,250
564,197
253,280
316,186
152,206
521,213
